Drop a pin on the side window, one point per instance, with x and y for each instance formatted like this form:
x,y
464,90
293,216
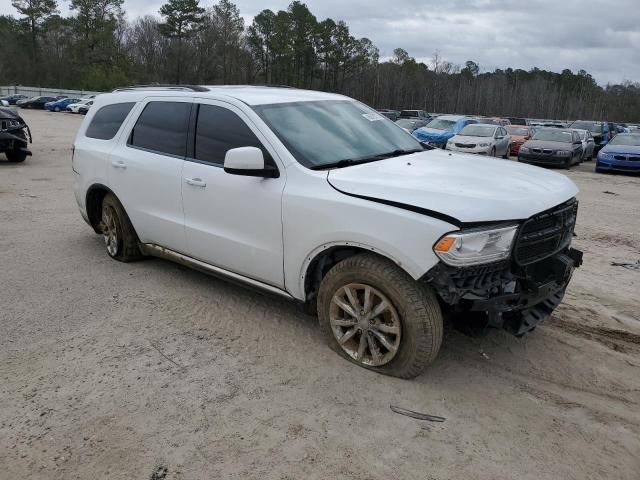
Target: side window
x,y
162,127
218,130
107,121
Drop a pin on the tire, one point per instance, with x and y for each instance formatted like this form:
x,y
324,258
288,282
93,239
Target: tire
x,y
56,109
506,153
493,152
16,156
120,238
413,311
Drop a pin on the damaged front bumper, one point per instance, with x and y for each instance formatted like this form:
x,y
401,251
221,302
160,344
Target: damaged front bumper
x,y
516,298
14,134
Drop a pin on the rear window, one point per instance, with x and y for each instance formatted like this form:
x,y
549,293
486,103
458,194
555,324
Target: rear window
x,y
107,121
162,128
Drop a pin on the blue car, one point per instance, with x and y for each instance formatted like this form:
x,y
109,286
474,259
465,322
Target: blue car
x,y
621,154
60,105
439,130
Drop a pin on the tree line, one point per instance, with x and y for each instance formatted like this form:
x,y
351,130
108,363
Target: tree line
x,y
98,48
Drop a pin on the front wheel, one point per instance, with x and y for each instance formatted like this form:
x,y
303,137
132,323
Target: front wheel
x,y
493,152
375,315
56,109
506,153
16,155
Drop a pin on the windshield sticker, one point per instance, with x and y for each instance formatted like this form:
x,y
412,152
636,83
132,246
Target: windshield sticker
x,y
372,117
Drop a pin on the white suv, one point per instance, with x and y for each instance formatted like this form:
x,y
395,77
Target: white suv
x,y
318,198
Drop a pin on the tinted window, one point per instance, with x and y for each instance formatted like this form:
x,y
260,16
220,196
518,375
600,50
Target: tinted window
x,y
218,130
106,122
162,127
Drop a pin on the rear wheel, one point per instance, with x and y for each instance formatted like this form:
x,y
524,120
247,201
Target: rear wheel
x,y
375,315
120,238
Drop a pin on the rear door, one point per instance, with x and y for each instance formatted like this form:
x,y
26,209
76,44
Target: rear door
x,y
233,222
146,169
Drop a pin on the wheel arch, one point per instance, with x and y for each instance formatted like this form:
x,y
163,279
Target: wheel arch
x,y
324,257
93,203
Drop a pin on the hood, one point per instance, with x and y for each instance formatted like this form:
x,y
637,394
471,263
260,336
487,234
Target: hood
x,y
459,188
8,112
548,144
622,149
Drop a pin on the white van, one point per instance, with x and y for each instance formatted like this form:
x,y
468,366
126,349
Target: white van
x,y
320,199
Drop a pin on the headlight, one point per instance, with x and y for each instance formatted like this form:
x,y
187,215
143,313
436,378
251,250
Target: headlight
x,y
563,153
483,144
604,155
473,247
524,149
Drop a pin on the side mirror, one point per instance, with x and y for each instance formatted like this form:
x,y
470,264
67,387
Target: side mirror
x,y
248,161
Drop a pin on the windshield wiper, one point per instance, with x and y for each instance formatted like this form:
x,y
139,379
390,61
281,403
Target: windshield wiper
x,y
348,162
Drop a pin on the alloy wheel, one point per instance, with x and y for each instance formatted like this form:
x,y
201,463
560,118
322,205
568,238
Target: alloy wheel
x,y
365,324
110,230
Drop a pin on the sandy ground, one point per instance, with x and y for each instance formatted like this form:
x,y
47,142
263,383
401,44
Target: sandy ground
x,y
151,370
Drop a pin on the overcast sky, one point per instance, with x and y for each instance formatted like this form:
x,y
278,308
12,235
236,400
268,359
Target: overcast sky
x,y
602,37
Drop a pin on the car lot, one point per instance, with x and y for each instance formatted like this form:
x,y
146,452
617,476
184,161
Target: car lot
x,y
113,370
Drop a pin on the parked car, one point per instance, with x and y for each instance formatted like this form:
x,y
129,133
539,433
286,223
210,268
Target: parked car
x,y
410,124
75,107
13,99
149,163
599,131
35,102
419,114
550,146
503,122
439,130
588,145
84,109
621,154
482,139
60,105
15,135
392,115
3,103
519,121
519,135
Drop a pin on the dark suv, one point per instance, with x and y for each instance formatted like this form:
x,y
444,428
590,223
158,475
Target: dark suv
x,y
600,131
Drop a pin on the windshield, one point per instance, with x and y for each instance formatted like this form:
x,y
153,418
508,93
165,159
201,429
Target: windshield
x,y
477,131
441,124
626,140
328,131
554,136
591,126
409,113
517,121
523,132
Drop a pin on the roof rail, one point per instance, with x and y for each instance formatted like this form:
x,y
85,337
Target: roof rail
x,y
162,86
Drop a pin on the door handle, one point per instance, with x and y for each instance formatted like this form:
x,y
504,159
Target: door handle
x,y
118,164
196,182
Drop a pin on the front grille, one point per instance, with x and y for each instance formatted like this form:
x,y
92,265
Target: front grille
x,y
546,233
465,145
543,151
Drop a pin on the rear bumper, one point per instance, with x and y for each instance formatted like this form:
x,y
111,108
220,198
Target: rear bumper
x,y
515,148
514,298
